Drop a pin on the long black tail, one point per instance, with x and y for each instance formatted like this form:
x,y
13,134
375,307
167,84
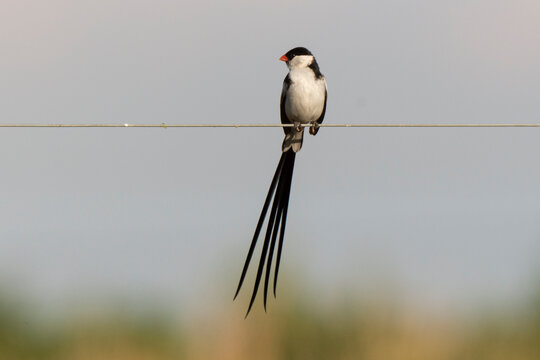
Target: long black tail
x,y
278,218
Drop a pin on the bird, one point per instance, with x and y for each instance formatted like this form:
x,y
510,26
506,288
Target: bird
x,y
303,102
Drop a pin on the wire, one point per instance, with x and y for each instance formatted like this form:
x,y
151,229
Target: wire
x,y
164,125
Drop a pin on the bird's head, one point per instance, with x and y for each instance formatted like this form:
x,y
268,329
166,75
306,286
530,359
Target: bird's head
x,y
297,58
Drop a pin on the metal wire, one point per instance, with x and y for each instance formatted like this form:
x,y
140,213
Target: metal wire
x,y
164,125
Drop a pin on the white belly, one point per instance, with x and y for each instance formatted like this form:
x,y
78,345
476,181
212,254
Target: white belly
x,y
305,100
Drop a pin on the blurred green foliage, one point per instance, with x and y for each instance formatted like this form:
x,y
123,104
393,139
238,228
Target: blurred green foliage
x,y
352,330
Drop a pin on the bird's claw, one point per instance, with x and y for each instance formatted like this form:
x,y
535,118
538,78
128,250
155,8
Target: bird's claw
x,y
314,128
298,127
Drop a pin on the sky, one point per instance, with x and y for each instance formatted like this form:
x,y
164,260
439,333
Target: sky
x,y
446,218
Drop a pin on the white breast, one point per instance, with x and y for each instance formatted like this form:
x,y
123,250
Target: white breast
x,y
305,98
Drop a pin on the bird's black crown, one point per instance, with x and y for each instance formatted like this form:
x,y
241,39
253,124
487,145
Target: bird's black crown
x,y
297,51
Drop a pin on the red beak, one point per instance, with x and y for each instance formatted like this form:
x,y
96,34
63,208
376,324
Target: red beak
x,y
284,58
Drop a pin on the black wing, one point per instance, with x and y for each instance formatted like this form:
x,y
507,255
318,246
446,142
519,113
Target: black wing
x,y
284,118
321,118
314,130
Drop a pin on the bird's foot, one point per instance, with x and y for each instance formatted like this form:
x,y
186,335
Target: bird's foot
x,y
298,126
314,128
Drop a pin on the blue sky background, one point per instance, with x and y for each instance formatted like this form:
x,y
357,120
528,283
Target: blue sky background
x,y
444,218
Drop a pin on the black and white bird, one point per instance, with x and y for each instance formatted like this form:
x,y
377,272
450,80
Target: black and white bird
x,y
303,102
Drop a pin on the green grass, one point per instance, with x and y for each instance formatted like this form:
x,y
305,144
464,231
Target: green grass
x,y
352,330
